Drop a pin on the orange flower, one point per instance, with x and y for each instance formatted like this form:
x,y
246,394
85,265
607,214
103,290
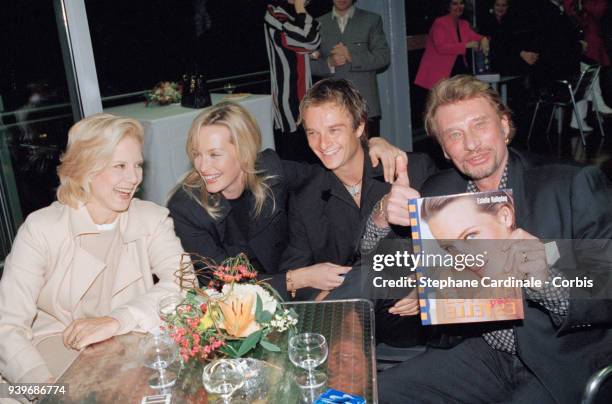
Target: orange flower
x,y
238,318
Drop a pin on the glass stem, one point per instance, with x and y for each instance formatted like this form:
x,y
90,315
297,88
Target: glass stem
x,y
162,376
311,380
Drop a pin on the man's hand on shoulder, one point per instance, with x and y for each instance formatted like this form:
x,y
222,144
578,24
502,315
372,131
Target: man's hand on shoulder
x,y
382,151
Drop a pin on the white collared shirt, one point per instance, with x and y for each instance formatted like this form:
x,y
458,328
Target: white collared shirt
x,y
343,19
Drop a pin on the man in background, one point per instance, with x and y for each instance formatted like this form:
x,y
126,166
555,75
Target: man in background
x,y
354,47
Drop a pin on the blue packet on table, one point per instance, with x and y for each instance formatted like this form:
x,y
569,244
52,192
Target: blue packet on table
x,y
336,396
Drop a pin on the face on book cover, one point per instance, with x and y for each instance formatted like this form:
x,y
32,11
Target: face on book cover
x,y
331,136
461,227
473,137
217,161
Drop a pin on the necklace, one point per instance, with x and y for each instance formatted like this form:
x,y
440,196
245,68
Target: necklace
x,y
354,190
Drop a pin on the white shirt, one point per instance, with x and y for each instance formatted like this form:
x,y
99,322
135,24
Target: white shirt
x,y
343,19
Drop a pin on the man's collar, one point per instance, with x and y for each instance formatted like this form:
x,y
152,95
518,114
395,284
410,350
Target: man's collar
x,y
349,14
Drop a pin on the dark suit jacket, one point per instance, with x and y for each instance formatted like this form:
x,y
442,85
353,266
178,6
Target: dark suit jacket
x,y
267,238
562,202
325,224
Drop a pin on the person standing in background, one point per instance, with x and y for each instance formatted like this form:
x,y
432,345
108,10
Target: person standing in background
x,y
447,43
291,34
588,14
507,57
354,47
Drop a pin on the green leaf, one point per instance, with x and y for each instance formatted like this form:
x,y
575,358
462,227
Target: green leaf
x,y
267,345
264,317
258,308
229,351
249,343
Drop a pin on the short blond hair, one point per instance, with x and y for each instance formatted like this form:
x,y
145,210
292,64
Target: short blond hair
x,y
91,143
460,88
245,136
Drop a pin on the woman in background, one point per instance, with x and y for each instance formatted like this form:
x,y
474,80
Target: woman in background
x,y
507,56
449,39
81,270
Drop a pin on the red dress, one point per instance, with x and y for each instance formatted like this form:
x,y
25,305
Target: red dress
x,y
590,21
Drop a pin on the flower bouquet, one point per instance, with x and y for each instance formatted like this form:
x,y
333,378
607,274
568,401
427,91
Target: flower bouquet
x,y
234,316
164,93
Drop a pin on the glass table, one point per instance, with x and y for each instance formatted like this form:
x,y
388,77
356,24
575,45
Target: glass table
x,y
113,372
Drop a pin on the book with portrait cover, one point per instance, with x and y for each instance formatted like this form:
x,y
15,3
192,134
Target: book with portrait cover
x,y
462,241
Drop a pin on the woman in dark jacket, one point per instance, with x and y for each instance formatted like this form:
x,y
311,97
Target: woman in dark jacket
x,y
499,26
234,198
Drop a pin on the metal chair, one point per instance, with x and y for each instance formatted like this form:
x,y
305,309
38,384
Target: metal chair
x,y
567,93
594,384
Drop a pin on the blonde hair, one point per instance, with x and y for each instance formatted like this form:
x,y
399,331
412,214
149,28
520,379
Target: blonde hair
x,y
91,144
460,88
246,137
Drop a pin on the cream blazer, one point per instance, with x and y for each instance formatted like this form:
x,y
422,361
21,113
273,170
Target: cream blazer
x,y
47,273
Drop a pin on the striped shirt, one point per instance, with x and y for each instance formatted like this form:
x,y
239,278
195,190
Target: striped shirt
x,y
290,37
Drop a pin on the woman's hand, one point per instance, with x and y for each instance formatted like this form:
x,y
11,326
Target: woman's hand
x,y
385,152
324,276
300,6
86,331
472,45
484,45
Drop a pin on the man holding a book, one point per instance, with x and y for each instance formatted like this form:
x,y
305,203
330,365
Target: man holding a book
x,y
566,333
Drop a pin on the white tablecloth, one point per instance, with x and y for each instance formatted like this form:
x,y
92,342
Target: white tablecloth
x,y
166,133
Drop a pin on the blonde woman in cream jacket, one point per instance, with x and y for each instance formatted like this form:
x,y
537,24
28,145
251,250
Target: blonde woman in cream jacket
x,y
81,270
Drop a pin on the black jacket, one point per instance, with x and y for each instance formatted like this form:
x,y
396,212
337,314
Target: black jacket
x,y
560,202
267,237
325,224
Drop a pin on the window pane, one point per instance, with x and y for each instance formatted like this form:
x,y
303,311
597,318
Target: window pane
x,y
35,111
138,43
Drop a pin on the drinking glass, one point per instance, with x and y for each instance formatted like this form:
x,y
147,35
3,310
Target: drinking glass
x,y
167,305
307,351
223,377
158,352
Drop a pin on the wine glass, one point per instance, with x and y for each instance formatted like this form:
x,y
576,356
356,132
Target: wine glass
x,y
307,351
223,377
158,352
167,305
